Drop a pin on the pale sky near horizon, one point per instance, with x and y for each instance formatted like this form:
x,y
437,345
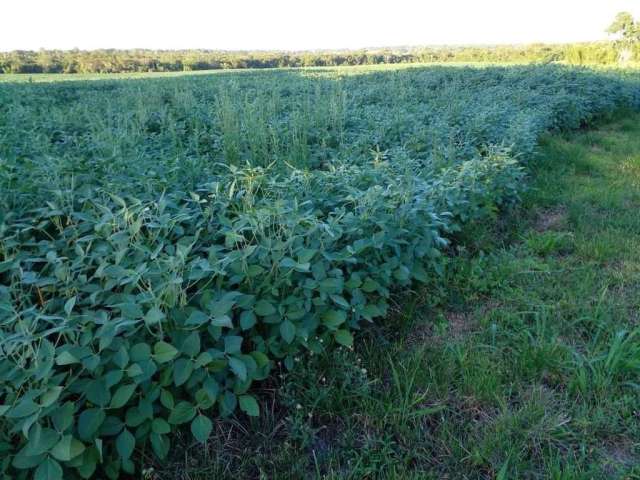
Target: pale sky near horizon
x,y
299,25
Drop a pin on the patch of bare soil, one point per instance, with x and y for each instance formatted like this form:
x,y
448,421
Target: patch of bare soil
x,y
551,219
619,456
460,324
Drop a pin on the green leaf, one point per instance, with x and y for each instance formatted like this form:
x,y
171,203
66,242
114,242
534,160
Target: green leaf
x,y
420,274
334,318
339,300
331,285
131,310
98,393
160,445
111,426
211,387
302,267
305,255
121,357
254,270
249,405
182,370
89,422
264,308
166,399
353,282
25,462
113,377
41,440
119,200
232,344
164,352
370,285
228,403
145,407
260,358
160,426
247,319
370,311
287,262
24,408
288,331
63,416
402,273
134,370
69,304
201,428
197,318
134,417
88,467
221,307
140,352
203,359
67,448
182,413
203,399
238,367
154,316
122,395
50,396
222,321
48,470
343,337
191,345
66,358
125,444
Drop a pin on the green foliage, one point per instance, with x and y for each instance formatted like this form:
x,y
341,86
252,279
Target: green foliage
x,y
517,364
164,243
625,26
121,61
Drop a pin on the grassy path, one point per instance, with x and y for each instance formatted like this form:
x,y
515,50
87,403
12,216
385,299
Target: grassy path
x,y
526,366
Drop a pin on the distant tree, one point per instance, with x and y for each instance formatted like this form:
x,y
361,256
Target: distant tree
x,y
625,26
628,32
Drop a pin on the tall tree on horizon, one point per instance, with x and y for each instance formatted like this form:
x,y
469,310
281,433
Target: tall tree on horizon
x,y
628,30
627,27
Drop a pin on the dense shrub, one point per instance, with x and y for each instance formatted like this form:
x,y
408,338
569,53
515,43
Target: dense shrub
x,y
163,243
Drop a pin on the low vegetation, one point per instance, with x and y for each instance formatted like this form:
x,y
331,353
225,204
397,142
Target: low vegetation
x,y
164,244
521,362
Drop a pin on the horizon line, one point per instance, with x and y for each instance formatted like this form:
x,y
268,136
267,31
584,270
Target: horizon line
x,y
308,50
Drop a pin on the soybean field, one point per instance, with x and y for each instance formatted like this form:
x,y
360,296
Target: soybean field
x,y
170,246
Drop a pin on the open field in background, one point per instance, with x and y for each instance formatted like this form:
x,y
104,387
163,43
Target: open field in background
x,y
523,362
302,71
630,67
170,247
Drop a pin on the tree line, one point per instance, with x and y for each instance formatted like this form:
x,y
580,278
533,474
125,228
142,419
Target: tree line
x,y
138,60
625,46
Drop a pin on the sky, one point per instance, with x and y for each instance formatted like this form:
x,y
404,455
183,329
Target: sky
x,y
299,24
